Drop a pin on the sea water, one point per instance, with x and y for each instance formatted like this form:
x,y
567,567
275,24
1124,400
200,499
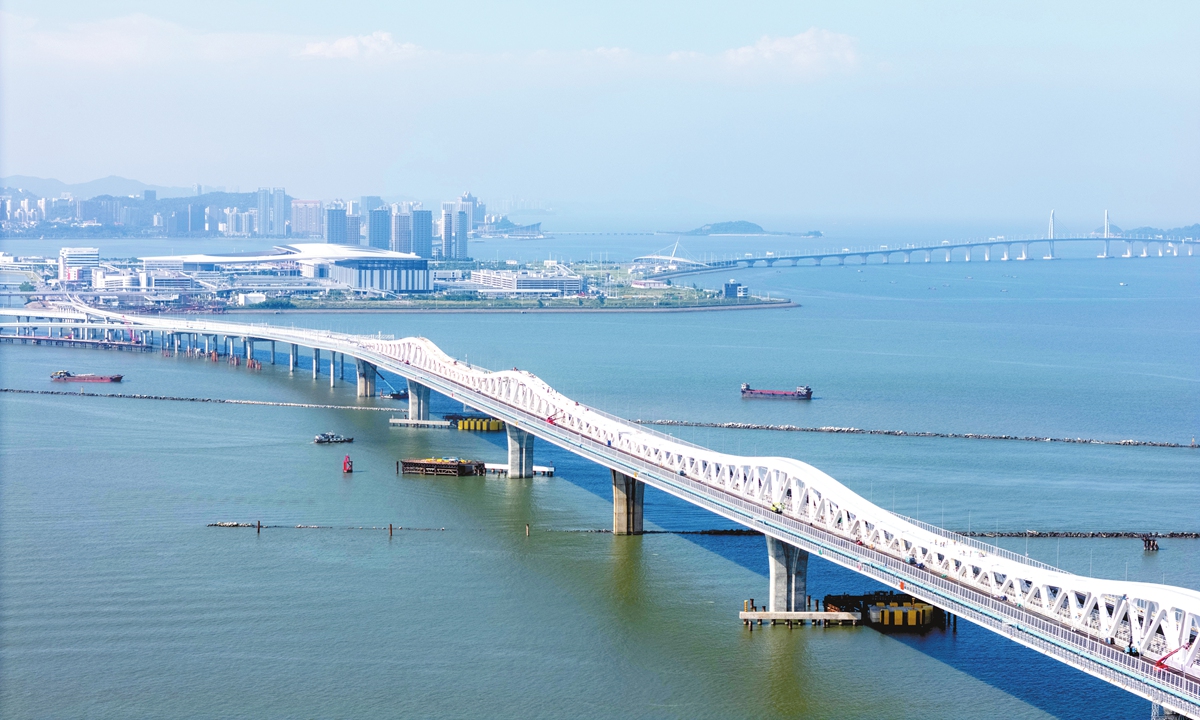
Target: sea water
x,y
118,600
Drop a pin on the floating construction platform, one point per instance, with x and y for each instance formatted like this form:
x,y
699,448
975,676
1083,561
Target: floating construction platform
x,y
814,617
890,611
502,469
453,467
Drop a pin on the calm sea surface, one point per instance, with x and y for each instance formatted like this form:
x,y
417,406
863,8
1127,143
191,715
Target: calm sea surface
x,y
117,601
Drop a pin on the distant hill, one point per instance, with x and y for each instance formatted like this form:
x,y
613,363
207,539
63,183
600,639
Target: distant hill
x,y
1188,231
111,185
741,227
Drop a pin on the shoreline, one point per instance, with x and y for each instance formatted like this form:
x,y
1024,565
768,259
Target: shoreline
x,y
414,311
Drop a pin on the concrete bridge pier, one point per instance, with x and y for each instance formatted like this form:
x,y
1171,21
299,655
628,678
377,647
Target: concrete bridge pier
x,y
928,256
316,362
1105,254
628,494
907,258
987,253
366,378
272,352
248,348
1050,256
1007,248
292,357
789,576
418,401
520,452
332,367
947,255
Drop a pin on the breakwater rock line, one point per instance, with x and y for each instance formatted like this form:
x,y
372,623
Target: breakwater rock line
x,y
908,433
173,398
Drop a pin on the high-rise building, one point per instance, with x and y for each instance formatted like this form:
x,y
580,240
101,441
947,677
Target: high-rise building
x,y
279,212
462,225
150,195
402,232
379,228
474,209
371,202
353,207
335,226
306,218
353,229
446,251
422,233
264,212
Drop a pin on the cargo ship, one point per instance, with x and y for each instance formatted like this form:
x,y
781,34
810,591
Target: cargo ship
x,y
802,392
68,376
442,466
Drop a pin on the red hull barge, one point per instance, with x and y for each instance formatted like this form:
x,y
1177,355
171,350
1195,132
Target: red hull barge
x,y
803,392
66,376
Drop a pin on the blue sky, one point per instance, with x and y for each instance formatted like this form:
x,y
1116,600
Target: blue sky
x,y
799,113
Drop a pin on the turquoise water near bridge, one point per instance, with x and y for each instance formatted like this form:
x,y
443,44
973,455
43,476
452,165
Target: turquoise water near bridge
x,y
117,600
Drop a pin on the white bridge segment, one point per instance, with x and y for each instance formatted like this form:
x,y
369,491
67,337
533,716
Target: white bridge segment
x,y
1083,621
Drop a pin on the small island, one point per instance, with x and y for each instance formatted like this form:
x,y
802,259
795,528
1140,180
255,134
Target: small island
x,y
742,227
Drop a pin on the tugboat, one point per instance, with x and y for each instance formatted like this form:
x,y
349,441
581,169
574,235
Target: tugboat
x,y
68,376
327,438
802,392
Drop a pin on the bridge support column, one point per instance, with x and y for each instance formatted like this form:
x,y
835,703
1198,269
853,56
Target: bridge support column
x,y
292,357
789,576
418,401
272,352
907,258
332,364
366,378
248,348
627,504
520,452
316,362
1051,255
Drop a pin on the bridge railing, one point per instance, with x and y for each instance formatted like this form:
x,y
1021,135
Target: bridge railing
x,y
977,544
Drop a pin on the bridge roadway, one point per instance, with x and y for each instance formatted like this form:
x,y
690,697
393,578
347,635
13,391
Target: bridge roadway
x,y
1087,623
1150,247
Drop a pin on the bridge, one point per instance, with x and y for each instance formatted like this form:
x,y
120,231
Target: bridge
x,y
997,248
1091,624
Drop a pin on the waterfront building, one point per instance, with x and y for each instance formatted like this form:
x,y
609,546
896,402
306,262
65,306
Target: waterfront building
x,y
356,267
279,212
379,228
335,225
81,259
527,281
422,233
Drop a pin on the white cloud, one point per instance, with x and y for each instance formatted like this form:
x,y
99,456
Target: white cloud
x,y
376,45
812,53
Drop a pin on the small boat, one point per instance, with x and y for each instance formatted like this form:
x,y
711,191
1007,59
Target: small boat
x,y
802,392
68,376
327,438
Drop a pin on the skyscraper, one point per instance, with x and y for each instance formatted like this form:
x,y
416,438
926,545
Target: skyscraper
x,y
279,212
422,233
402,232
462,225
446,251
335,226
371,202
474,209
379,228
354,229
263,226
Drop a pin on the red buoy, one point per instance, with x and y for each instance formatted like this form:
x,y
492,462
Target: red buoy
x,y
347,465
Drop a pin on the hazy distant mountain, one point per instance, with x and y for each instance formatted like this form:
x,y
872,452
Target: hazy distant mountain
x,y
111,185
1189,231
741,227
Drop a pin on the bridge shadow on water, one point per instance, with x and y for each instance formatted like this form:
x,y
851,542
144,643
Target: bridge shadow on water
x,y
1027,675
